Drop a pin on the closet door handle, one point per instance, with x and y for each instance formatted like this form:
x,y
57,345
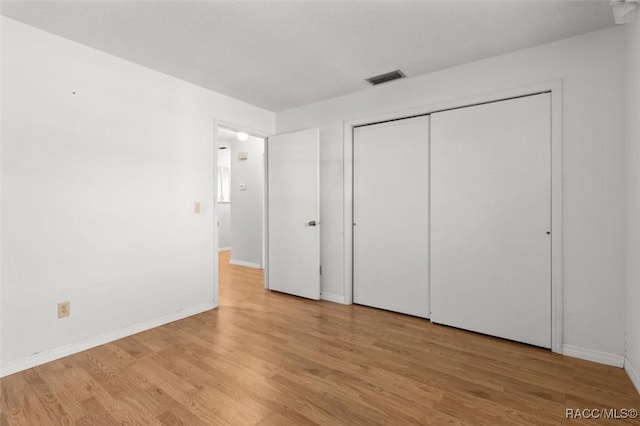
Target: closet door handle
x,y
312,223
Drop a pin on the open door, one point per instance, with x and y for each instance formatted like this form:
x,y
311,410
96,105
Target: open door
x,y
293,214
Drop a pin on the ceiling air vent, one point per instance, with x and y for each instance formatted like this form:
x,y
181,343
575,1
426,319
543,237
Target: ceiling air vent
x,y
383,78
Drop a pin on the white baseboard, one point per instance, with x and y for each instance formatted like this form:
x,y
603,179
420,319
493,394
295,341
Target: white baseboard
x,y
593,355
332,297
73,348
633,374
243,263
224,248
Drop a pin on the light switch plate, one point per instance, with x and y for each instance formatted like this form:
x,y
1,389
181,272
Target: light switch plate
x,y
196,207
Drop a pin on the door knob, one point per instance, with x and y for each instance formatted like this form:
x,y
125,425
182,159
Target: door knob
x,y
312,223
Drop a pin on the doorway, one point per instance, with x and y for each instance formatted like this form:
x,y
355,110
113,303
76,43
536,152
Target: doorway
x,y
240,169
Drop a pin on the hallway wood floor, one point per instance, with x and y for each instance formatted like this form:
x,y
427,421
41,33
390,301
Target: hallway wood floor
x,y
265,358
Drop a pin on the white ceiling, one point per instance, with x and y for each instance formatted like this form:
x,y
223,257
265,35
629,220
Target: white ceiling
x,y
227,137
280,55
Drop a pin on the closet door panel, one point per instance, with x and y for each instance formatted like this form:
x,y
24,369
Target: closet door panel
x,y
391,216
491,218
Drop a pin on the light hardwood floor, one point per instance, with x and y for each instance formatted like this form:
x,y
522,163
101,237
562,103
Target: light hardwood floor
x,y
266,358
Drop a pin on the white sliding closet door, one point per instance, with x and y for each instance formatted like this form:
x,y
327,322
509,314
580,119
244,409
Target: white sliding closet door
x,y
490,218
391,216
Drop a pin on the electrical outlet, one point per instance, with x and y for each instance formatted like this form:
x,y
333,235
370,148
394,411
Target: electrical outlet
x,y
196,207
64,309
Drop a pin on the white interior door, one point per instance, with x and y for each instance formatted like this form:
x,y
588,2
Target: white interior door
x,y
293,214
391,216
490,218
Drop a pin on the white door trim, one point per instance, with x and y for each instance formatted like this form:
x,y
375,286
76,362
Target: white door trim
x,y
555,88
216,144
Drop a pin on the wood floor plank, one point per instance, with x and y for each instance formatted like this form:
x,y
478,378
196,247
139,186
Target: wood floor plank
x,y
285,417
265,358
96,414
19,403
62,385
46,398
180,416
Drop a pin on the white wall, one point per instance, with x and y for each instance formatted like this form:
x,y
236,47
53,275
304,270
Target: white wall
x,y
98,190
632,363
246,205
224,229
1,186
224,208
592,69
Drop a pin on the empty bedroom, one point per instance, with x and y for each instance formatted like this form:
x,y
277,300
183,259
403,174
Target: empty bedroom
x,y
320,212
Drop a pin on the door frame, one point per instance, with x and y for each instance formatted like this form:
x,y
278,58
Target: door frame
x,y
216,144
554,87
